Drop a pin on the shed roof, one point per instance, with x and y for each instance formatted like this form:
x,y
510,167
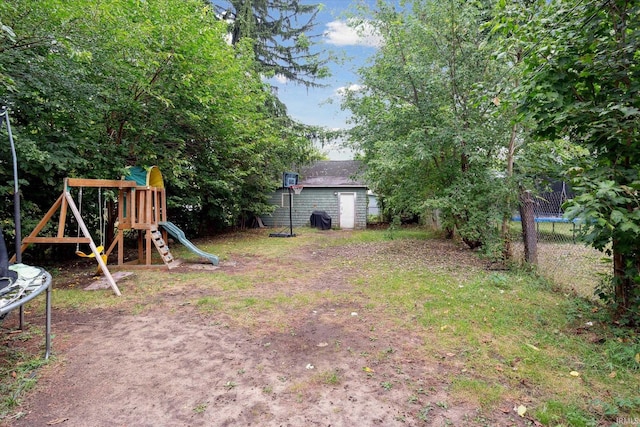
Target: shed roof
x,y
332,173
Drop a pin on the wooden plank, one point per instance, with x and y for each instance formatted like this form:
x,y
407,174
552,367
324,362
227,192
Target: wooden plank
x,y
56,240
63,217
124,206
117,241
138,218
120,240
102,183
163,205
148,215
135,265
140,247
148,247
45,219
40,226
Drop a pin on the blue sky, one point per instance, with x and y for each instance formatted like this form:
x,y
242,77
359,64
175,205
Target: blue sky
x,y
310,105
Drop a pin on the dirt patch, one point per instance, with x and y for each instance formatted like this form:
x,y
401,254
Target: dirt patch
x,y
177,366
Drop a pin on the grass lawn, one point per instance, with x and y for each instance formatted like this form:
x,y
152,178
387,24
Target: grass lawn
x,y
501,339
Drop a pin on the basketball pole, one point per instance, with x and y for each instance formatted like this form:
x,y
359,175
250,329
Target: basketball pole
x,y
289,181
290,212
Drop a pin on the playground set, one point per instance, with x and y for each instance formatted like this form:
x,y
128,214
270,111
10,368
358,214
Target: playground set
x,y
141,206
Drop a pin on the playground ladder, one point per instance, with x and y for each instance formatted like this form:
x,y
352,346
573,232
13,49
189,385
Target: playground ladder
x,y
163,249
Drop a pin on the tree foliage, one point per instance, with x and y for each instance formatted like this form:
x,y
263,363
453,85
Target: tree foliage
x,y
425,123
583,85
282,35
94,87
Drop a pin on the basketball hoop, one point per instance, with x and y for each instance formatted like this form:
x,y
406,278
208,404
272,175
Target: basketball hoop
x,y
297,189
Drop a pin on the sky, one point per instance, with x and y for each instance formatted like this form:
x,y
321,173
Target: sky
x,y
321,106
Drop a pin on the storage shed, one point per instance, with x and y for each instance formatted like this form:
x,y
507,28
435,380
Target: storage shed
x,y
332,186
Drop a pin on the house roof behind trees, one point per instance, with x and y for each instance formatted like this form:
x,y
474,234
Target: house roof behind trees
x,y
332,173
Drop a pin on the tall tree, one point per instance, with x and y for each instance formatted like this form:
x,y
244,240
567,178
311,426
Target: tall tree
x,y
426,123
282,33
95,87
583,85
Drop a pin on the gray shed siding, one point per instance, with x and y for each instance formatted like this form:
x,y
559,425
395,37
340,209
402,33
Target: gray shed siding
x,y
315,199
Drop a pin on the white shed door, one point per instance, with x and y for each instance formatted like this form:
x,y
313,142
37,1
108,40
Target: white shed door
x,y
347,210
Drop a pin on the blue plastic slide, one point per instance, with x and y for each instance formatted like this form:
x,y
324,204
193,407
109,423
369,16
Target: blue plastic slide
x,y
179,234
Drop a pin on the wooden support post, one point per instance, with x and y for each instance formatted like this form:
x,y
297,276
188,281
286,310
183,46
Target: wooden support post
x,y
148,245
117,240
120,240
140,247
39,227
92,245
163,205
63,217
148,212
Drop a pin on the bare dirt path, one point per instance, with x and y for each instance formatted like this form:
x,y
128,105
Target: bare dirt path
x,y
175,366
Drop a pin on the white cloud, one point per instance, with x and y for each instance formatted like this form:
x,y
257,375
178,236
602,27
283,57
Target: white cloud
x,y
340,33
278,79
281,79
351,88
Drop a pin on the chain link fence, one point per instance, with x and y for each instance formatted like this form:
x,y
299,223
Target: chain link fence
x,y
563,258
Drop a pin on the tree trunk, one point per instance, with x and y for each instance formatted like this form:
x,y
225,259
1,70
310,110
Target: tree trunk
x,y
624,284
511,154
529,235
507,253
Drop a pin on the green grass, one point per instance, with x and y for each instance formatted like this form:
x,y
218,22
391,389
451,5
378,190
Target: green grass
x,y
331,377
81,300
508,329
208,304
18,371
486,394
505,336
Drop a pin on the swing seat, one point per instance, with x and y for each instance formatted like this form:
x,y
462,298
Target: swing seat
x,y
91,255
100,250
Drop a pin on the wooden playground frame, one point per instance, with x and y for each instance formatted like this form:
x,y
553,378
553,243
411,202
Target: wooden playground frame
x,y
140,208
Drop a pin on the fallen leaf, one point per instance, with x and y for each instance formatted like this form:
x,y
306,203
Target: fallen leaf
x,y
612,374
574,373
57,421
522,410
533,347
637,357
367,369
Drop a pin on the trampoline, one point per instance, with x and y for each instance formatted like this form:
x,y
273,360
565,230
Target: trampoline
x,y
31,282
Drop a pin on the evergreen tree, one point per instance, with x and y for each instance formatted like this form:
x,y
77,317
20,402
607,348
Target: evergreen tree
x,y
281,31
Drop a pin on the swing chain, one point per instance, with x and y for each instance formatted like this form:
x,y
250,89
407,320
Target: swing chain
x,y
102,213
79,210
